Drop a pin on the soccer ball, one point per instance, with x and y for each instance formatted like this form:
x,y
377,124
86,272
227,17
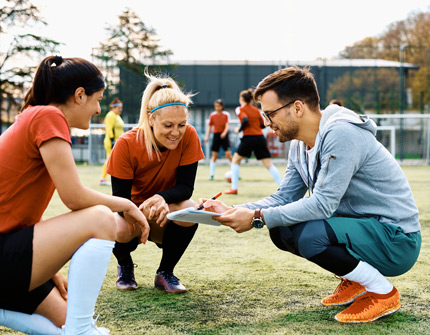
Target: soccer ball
x,y
227,176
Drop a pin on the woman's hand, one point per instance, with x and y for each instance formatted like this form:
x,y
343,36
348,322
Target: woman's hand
x,y
61,283
155,208
135,217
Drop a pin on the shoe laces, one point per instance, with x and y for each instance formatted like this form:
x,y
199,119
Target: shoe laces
x,y
127,272
344,283
170,277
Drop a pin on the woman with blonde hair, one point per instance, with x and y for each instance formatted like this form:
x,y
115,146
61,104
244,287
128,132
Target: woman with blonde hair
x,y
114,128
155,166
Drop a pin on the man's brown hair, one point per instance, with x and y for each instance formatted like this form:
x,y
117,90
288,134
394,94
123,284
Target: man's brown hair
x,y
291,83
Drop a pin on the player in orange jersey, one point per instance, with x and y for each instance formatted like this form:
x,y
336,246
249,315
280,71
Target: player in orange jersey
x,y
253,140
155,166
219,120
36,158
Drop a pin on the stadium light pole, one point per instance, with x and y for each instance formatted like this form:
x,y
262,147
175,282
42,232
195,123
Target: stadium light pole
x,y
402,77
402,98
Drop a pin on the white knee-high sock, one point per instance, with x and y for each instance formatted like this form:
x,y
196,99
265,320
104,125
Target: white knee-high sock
x,y
275,174
234,176
87,271
212,166
33,324
366,275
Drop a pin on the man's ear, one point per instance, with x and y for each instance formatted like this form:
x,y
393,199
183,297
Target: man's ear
x,y
79,95
299,108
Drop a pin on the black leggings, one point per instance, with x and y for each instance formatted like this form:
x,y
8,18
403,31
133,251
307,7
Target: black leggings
x,y
317,242
175,241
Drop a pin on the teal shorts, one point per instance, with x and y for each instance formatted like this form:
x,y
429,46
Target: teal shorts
x,y
382,245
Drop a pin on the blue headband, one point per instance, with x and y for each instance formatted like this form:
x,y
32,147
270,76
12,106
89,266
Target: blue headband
x,y
117,104
165,105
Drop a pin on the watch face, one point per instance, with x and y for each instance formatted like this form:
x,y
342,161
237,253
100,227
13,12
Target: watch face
x,y
257,223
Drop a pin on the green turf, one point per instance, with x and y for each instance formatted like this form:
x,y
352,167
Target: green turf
x,y
242,284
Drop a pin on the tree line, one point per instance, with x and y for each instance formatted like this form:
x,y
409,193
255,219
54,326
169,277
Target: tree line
x,y
405,41
133,44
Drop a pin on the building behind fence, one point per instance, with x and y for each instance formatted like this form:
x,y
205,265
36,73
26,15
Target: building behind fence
x,y
406,136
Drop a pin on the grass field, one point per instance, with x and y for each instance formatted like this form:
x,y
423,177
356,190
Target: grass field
x,y
242,284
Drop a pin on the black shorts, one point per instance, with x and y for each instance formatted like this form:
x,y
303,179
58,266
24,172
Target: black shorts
x,y
256,143
219,142
16,256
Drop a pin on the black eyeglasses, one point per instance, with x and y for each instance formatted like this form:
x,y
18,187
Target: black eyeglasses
x,y
267,115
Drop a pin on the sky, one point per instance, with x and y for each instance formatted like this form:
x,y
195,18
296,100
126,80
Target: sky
x,y
254,30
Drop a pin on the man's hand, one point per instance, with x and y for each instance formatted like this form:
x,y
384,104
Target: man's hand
x,y
155,208
212,205
61,283
238,219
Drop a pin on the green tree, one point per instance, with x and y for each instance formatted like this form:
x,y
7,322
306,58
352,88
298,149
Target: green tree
x,y
123,57
20,15
131,41
413,34
366,48
362,90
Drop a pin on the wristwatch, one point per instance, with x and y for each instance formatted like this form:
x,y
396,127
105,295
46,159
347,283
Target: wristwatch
x,y
257,222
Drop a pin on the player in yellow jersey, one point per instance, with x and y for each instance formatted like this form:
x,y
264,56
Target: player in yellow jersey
x,y
114,126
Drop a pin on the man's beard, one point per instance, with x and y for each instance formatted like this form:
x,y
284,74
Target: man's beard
x,y
290,133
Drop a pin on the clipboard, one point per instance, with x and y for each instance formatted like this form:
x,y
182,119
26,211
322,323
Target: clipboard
x,y
190,214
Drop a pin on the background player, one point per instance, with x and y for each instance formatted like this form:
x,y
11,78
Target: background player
x,y
253,140
114,128
219,120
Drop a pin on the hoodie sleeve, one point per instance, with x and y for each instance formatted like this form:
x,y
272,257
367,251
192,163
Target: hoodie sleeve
x,y
343,150
291,189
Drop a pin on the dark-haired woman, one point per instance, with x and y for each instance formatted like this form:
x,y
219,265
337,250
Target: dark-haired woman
x,y
114,128
36,159
253,140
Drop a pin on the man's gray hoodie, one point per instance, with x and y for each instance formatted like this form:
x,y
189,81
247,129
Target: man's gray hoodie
x,y
353,175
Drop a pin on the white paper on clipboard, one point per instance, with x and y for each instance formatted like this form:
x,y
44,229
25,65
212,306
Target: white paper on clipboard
x,y
190,214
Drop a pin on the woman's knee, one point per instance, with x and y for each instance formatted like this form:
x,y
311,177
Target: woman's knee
x,y
182,205
267,162
123,233
103,222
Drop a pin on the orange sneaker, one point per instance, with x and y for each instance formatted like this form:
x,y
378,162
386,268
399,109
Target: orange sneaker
x,y
370,307
345,293
230,191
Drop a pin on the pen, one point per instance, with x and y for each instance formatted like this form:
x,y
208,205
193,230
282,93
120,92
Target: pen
x,y
213,198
